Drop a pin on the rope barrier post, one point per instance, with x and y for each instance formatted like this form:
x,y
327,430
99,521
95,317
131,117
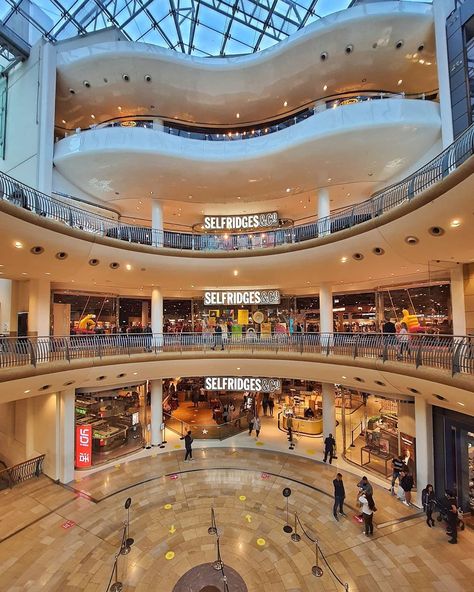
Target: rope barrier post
x,y
295,537
316,569
286,494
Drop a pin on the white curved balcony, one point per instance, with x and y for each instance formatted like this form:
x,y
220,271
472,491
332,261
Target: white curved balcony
x,y
367,141
387,41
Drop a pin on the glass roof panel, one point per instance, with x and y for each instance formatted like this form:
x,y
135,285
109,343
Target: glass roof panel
x,y
198,27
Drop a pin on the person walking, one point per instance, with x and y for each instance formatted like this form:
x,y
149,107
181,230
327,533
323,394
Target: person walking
x,y
403,338
218,337
452,516
257,425
428,500
406,483
329,445
250,420
265,403
339,495
398,466
271,405
188,441
368,508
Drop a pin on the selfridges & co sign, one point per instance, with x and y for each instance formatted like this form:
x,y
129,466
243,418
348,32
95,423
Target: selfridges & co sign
x,y
244,222
242,383
237,297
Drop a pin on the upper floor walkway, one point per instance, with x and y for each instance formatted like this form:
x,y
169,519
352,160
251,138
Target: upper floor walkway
x,y
92,226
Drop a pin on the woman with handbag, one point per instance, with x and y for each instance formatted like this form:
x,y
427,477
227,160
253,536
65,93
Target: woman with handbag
x,y
368,508
428,500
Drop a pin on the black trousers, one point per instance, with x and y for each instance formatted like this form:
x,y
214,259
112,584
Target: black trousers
x,y
331,455
189,453
338,504
369,523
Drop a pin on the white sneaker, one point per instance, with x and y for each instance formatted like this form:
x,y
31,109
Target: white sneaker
x,y
406,503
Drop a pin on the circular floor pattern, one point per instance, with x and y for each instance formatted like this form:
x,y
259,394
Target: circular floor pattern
x,y
204,578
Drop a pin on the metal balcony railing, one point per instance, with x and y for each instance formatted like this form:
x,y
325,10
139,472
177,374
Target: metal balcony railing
x,y
46,206
23,471
445,352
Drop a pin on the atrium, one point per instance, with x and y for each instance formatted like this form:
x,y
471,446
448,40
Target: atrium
x,y
236,295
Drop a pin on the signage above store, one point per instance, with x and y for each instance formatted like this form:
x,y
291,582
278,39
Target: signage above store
x,y
83,446
242,383
262,221
237,297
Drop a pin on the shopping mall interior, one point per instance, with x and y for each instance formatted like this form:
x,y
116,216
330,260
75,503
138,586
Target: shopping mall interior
x,y
236,295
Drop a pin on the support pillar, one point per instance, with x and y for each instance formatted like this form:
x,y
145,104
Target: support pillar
x,y
329,409
145,312
458,306
156,389
67,428
5,306
326,322
156,311
424,445
324,224
379,309
39,308
157,222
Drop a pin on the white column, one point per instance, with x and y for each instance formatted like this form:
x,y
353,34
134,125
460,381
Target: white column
x,y
329,409
324,227
66,401
458,304
156,389
45,116
39,308
157,222
441,10
5,306
326,324
156,311
424,445
145,312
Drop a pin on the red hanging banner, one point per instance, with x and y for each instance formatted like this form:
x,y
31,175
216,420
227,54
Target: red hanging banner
x,y
83,446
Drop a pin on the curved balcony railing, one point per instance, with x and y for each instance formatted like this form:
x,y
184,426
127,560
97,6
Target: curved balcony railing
x,y
232,133
446,352
405,191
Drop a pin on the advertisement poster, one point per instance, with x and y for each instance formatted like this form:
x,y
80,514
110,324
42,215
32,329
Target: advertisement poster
x,y
236,330
83,446
266,329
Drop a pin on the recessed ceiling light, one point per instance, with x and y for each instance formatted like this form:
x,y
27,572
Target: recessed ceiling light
x,y
455,223
325,87
343,259
237,115
119,108
24,273
47,273
18,245
128,267
238,368
329,179
285,104
93,116
236,272
27,391
63,120
135,373
462,404
399,82
288,189
344,377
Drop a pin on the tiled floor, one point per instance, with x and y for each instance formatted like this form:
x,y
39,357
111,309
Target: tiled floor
x,y
170,515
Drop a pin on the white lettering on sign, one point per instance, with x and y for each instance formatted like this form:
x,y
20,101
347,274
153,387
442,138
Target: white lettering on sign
x,y
244,222
242,383
235,298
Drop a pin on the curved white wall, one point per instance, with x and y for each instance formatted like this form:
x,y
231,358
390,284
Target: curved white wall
x,y
213,90
369,141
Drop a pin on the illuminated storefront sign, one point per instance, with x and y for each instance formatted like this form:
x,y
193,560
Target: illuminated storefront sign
x,y
83,446
237,297
242,383
244,222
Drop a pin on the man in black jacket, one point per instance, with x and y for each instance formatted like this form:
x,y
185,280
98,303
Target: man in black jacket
x,y
188,440
339,495
329,445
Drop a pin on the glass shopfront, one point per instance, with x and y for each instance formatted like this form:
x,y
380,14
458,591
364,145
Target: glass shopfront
x,y
453,435
109,423
377,430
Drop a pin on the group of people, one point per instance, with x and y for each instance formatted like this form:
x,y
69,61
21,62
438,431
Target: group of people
x,y
365,500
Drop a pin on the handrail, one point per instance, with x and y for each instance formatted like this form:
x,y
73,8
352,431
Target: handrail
x,y
405,191
206,431
445,352
23,471
248,131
